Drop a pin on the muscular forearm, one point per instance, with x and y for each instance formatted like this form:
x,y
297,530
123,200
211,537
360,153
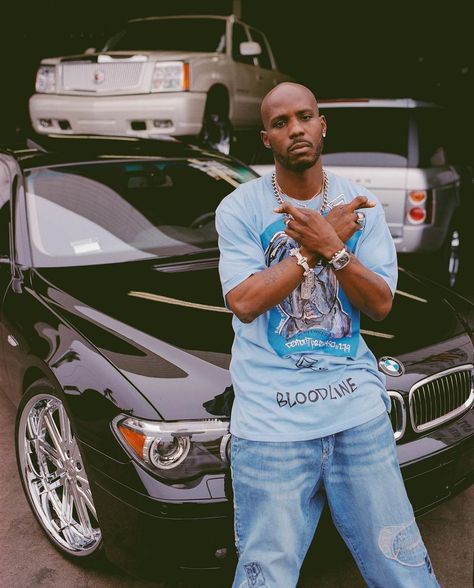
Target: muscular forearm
x,y
366,290
264,289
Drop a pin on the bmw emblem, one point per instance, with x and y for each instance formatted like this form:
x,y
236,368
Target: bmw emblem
x,y
390,366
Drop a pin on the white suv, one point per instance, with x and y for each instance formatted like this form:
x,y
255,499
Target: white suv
x,y
174,75
398,150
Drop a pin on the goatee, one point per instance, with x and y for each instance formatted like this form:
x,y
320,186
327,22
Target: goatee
x,y
300,164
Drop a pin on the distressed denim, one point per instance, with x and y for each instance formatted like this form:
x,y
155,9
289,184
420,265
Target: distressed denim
x,y
279,493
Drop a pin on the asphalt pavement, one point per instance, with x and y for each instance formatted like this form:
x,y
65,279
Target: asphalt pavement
x,y
28,560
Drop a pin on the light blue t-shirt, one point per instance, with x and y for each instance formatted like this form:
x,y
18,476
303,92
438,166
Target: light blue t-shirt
x,y
301,370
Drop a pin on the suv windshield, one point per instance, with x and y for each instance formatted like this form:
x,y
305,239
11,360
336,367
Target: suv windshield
x,y
170,34
122,211
374,137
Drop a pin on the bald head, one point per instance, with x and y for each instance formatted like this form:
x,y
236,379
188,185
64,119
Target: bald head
x,y
280,96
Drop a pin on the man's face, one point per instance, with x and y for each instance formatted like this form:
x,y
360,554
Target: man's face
x,y
293,127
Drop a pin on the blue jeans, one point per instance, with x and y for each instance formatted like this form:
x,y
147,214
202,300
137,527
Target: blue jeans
x,y
279,493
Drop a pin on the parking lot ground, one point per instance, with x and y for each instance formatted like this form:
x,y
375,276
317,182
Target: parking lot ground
x,y
28,560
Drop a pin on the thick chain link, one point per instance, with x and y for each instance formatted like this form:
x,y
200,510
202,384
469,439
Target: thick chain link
x,y
278,192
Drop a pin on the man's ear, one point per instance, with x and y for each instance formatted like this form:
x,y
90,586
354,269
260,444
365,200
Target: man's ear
x,y
324,124
264,137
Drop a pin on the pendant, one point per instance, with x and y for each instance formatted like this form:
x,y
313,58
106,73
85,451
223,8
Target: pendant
x,y
307,286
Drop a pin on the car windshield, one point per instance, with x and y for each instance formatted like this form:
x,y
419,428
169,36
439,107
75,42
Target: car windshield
x,y
171,34
374,137
97,213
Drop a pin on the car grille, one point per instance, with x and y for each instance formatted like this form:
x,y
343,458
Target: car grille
x,y
441,397
398,415
101,77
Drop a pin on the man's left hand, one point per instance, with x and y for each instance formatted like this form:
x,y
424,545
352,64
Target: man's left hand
x,y
345,219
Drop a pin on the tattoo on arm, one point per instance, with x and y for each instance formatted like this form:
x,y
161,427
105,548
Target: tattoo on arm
x,y
272,274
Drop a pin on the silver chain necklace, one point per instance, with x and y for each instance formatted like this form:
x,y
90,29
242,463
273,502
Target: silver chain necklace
x,y
309,281
279,192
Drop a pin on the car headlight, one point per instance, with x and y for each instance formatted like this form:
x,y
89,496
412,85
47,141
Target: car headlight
x,y
176,450
46,79
170,76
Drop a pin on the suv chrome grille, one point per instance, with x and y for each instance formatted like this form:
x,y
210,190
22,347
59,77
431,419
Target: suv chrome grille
x,y
397,415
101,77
441,397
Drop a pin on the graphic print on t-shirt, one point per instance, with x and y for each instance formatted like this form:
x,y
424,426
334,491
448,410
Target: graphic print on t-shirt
x,y
312,319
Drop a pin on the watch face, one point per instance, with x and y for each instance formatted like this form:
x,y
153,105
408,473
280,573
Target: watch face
x,y
341,261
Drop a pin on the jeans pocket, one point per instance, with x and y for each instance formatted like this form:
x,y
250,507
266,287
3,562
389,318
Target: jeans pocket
x,y
235,443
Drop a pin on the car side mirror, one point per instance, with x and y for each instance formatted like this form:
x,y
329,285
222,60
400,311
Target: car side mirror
x,y
90,50
250,48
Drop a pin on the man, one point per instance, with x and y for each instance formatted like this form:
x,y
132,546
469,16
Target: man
x,y
302,252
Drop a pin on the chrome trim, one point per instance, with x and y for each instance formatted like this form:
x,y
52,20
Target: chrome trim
x,y
224,449
446,402
398,403
112,76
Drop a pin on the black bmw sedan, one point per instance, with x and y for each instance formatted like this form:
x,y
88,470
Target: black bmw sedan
x,y
115,347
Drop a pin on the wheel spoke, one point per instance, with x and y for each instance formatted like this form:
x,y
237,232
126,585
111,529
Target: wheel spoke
x,y
86,494
43,448
65,426
75,453
31,427
39,486
55,481
82,513
55,435
67,504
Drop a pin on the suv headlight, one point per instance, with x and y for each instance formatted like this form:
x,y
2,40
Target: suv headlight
x,y
46,79
170,76
175,450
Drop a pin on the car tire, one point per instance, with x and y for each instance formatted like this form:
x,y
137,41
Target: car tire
x,y
53,474
216,131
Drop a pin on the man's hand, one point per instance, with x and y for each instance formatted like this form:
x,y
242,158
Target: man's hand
x,y
310,229
346,220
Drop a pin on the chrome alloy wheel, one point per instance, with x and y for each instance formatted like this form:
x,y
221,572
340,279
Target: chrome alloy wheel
x,y
54,476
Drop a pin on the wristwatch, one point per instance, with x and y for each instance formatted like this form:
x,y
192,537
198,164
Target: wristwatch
x,y
340,259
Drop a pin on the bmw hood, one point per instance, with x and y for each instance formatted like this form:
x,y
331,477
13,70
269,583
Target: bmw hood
x,y
163,325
